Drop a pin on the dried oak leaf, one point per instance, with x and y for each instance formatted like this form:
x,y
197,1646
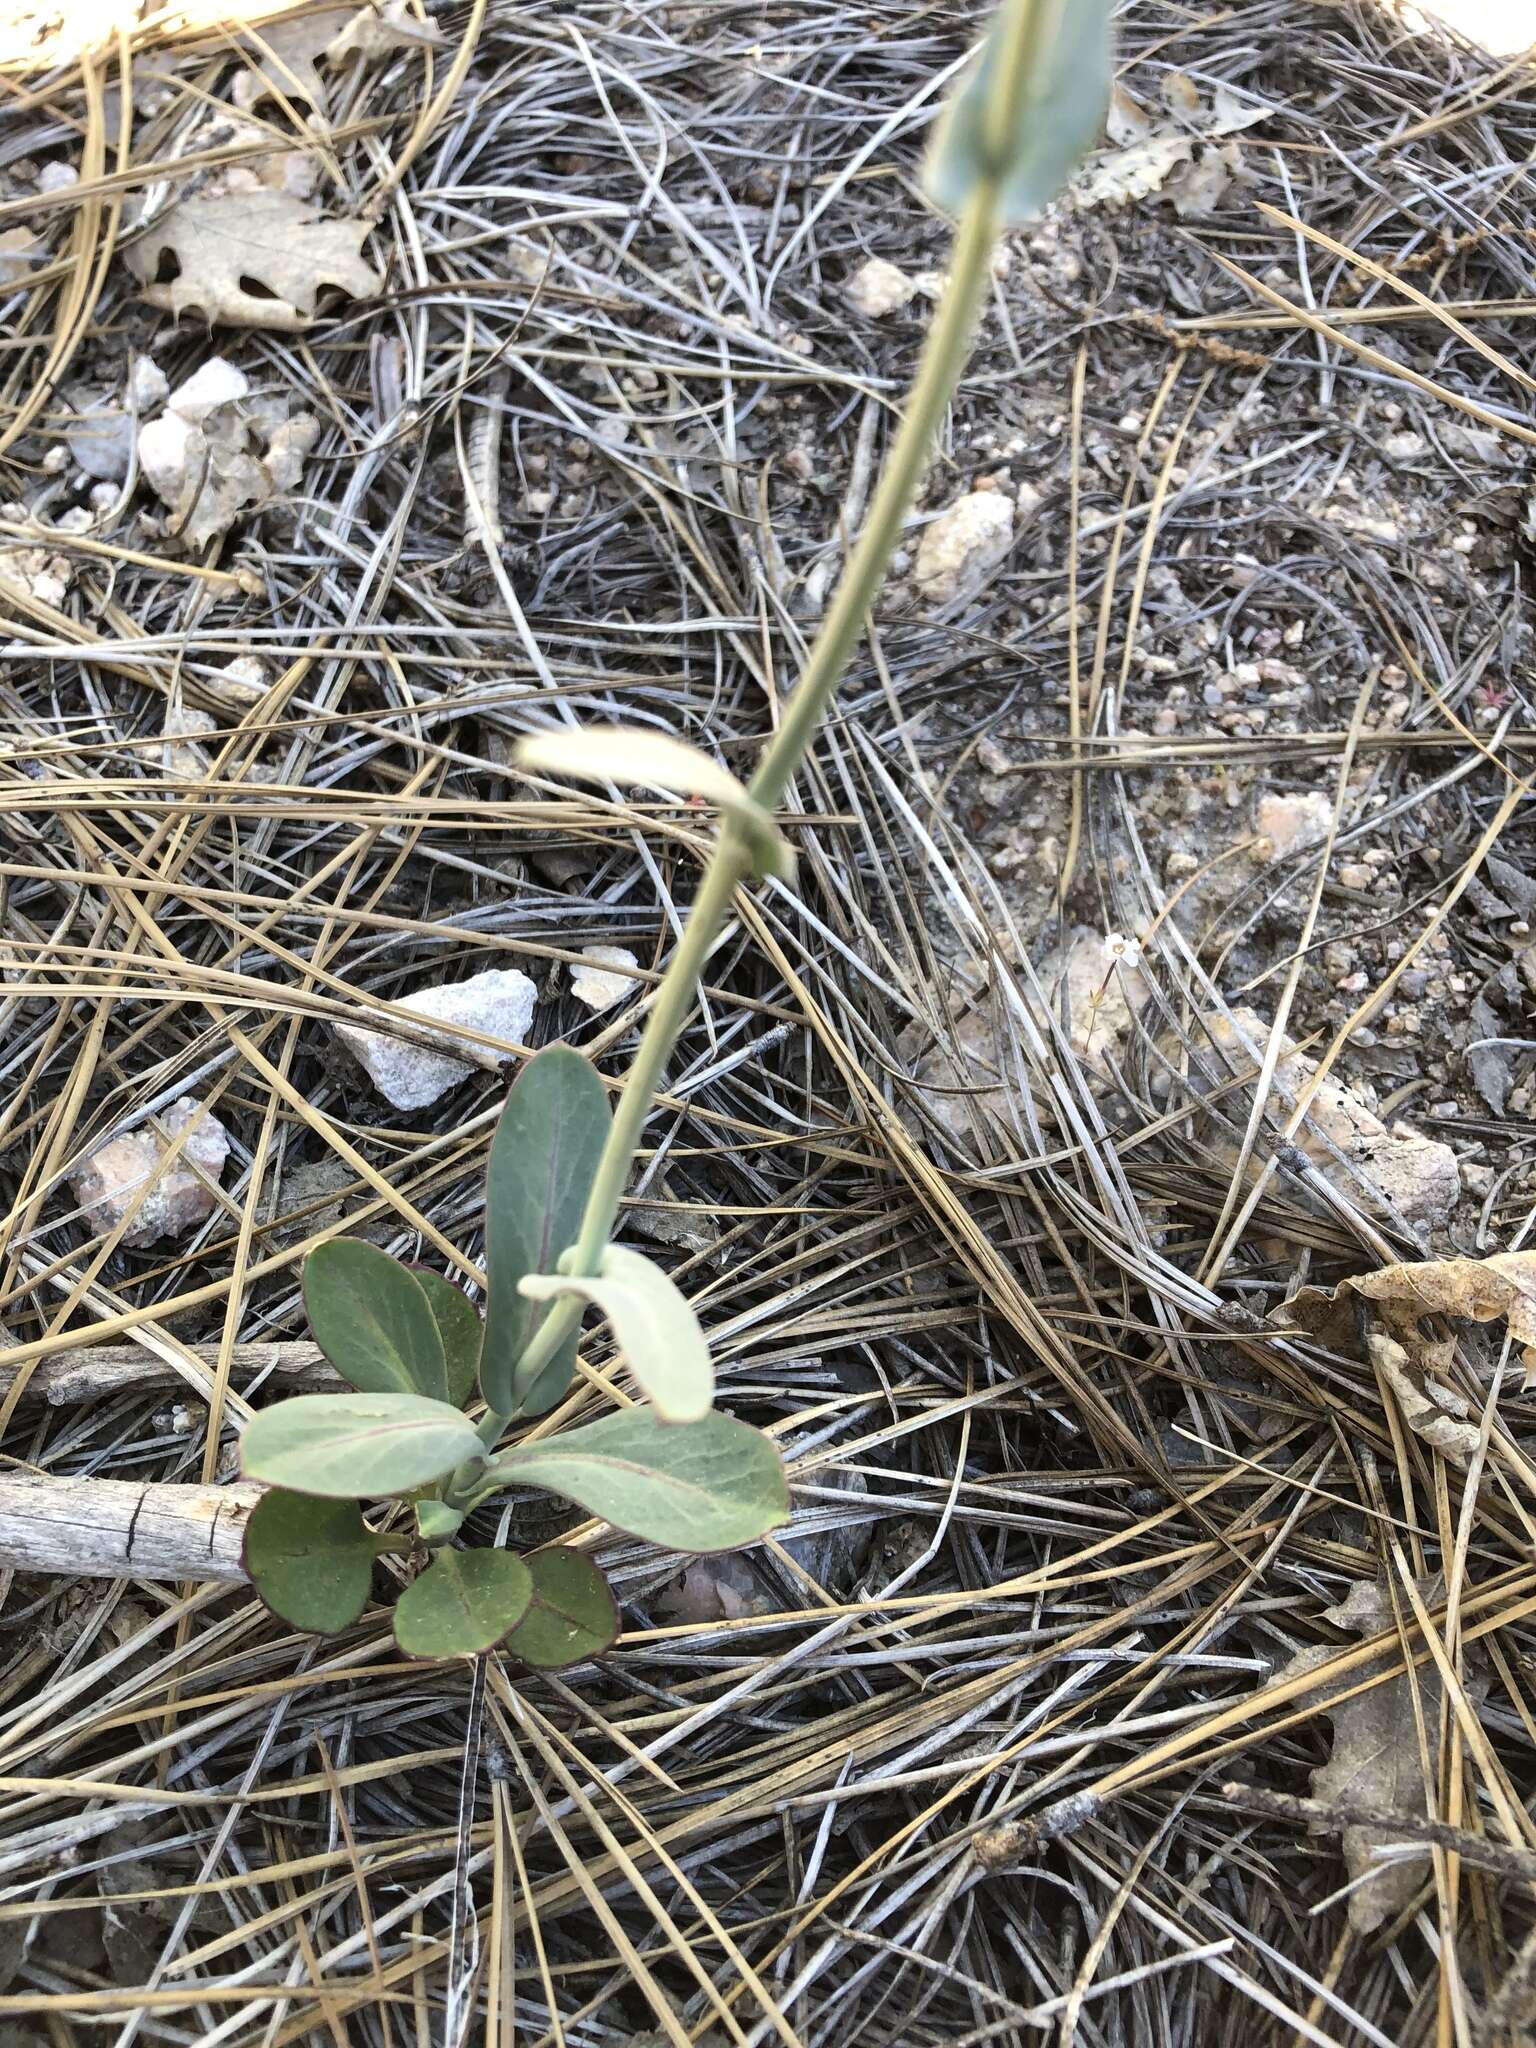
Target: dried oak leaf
x,y
252,259
1182,156
1432,1411
1481,1290
283,57
377,32
1403,1351
286,57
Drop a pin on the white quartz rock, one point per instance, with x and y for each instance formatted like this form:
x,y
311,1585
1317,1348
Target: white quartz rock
x,y
606,978
877,288
498,1003
1293,823
214,383
960,549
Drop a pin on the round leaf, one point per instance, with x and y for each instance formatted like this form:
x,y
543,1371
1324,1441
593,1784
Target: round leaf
x,y
572,1615
543,1157
465,1601
656,1329
458,1328
356,1446
310,1560
707,1485
372,1319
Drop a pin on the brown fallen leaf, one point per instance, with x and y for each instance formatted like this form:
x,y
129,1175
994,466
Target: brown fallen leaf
x,y
289,60
1479,1290
1397,1343
1435,1413
252,259
374,33
1182,156
1482,1290
1376,1755
283,57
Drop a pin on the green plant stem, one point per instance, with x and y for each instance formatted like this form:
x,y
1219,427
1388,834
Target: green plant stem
x,y
492,1423
944,357
730,865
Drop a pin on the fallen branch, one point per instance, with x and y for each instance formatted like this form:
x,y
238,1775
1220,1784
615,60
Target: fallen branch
x,y
121,1528
94,1371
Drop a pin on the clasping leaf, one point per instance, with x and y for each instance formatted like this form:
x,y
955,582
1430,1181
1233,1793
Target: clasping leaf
x,y
1030,109
619,753
656,1329
374,1321
356,1446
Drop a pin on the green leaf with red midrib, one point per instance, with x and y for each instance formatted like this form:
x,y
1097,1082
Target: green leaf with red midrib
x,y
356,1446
707,1485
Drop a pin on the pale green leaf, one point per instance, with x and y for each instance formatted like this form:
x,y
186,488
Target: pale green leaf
x,y
436,1522
310,1560
372,1319
707,1485
1031,108
356,1446
464,1602
543,1157
621,753
656,1330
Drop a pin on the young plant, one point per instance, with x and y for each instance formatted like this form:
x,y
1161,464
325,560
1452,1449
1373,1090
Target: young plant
x,y
673,1471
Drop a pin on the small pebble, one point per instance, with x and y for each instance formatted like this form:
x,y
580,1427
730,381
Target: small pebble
x,y
960,548
877,288
107,1182
498,1003
1293,823
604,982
